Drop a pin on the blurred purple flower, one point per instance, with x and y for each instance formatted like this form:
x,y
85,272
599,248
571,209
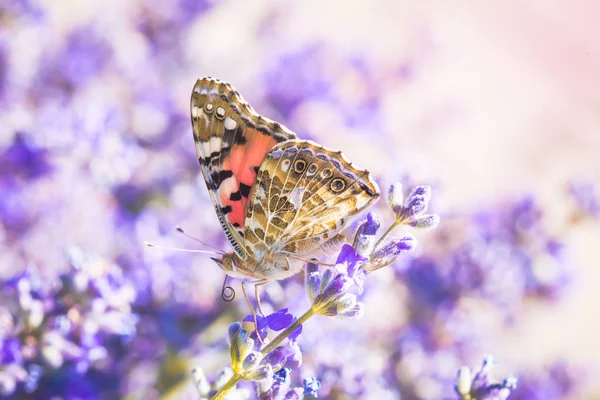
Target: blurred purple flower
x,y
65,325
83,56
499,255
21,161
559,380
298,77
3,70
586,194
20,9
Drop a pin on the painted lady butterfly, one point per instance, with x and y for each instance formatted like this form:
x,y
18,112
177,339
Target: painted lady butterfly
x,y
278,198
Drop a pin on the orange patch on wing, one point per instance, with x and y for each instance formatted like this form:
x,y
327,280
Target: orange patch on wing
x,y
242,161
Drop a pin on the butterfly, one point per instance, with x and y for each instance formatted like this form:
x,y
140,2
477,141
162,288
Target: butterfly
x,y
278,198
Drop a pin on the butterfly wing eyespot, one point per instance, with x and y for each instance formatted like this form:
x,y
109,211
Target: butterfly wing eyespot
x,y
299,166
220,113
312,168
326,173
337,185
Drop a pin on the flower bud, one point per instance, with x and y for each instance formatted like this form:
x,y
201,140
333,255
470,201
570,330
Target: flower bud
x,y
200,381
313,284
463,381
395,196
390,252
240,346
282,375
276,358
426,222
365,235
311,386
417,201
346,302
326,302
355,312
251,360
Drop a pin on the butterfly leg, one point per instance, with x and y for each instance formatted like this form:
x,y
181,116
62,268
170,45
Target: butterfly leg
x,y
256,285
260,282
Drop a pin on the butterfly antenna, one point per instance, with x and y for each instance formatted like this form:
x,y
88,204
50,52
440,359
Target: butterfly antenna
x,y
148,244
180,230
227,293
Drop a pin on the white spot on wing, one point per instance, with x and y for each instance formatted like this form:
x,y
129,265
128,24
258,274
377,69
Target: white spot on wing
x,y
215,143
253,224
228,186
296,198
220,111
197,89
195,111
261,193
230,124
285,165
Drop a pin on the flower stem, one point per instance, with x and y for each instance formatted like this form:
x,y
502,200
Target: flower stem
x,y
233,381
387,233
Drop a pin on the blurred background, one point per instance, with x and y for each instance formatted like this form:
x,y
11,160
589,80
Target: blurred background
x,y
495,106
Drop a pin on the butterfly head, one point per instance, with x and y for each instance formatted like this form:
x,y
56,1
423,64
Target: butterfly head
x,y
231,264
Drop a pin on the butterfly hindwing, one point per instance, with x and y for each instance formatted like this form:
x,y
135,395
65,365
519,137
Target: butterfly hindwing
x,y
231,142
304,196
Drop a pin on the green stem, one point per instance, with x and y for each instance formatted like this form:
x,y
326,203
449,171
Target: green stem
x,y
233,381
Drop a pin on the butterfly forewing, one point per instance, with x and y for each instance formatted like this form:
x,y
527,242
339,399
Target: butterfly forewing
x,y
232,141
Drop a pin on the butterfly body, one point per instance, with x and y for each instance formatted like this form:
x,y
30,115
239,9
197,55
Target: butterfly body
x,y
278,198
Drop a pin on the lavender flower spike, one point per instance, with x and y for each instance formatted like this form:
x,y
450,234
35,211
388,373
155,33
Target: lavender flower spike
x,y
329,294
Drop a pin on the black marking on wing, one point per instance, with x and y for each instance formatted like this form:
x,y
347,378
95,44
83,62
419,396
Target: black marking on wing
x,y
207,160
219,176
235,196
245,190
225,210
